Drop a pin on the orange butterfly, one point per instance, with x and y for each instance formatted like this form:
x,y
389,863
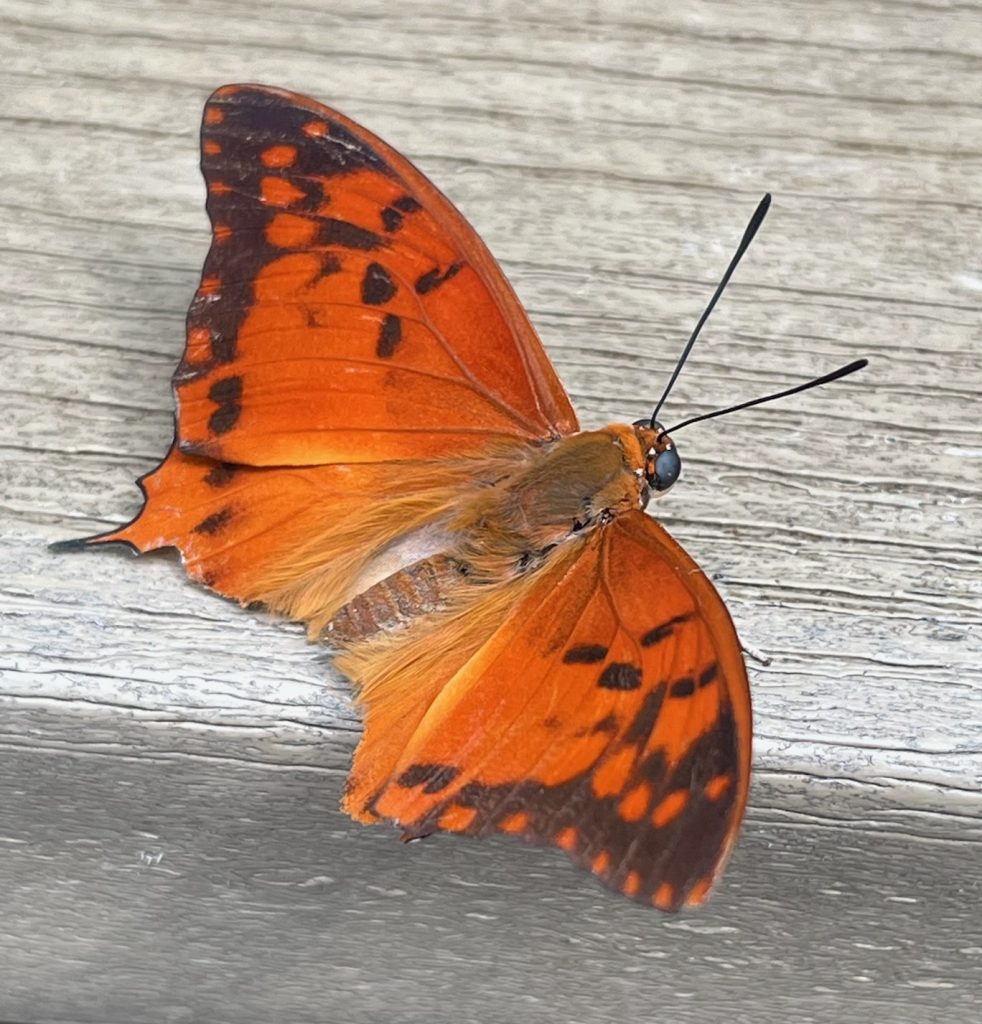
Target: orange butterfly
x,y
371,439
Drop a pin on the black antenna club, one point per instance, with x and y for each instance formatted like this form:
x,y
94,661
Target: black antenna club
x,y
748,236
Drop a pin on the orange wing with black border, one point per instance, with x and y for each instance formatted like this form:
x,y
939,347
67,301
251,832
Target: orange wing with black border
x,y
350,333
609,715
347,312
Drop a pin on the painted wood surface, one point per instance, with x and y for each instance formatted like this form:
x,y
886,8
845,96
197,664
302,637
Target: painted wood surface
x,y
170,848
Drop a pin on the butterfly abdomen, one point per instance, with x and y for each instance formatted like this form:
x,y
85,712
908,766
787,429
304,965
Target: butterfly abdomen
x,y
423,588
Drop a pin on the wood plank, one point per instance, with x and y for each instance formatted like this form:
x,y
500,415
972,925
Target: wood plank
x,y
154,881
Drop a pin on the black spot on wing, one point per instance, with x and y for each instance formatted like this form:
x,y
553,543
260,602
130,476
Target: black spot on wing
x,y
227,395
377,287
213,523
434,278
432,777
220,474
330,264
314,196
684,687
659,633
392,216
350,236
585,654
391,219
609,724
620,675
218,313
708,675
644,722
389,336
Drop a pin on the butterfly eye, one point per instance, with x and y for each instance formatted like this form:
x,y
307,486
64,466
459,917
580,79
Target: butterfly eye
x,y
666,469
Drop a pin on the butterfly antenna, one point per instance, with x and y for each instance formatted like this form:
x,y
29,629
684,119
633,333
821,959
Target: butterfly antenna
x,y
827,378
748,236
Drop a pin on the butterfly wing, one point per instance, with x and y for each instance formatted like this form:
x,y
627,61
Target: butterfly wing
x,y
349,330
608,715
347,312
297,539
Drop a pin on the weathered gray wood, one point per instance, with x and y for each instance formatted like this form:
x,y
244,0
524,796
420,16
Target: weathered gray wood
x,y
259,901
609,155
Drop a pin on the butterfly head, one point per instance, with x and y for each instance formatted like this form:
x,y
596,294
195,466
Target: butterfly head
x,y
662,464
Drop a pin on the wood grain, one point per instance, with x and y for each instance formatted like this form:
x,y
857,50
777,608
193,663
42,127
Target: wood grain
x,y
610,155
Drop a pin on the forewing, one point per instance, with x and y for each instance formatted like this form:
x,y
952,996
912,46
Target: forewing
x,y
350,333
608,715
347,312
